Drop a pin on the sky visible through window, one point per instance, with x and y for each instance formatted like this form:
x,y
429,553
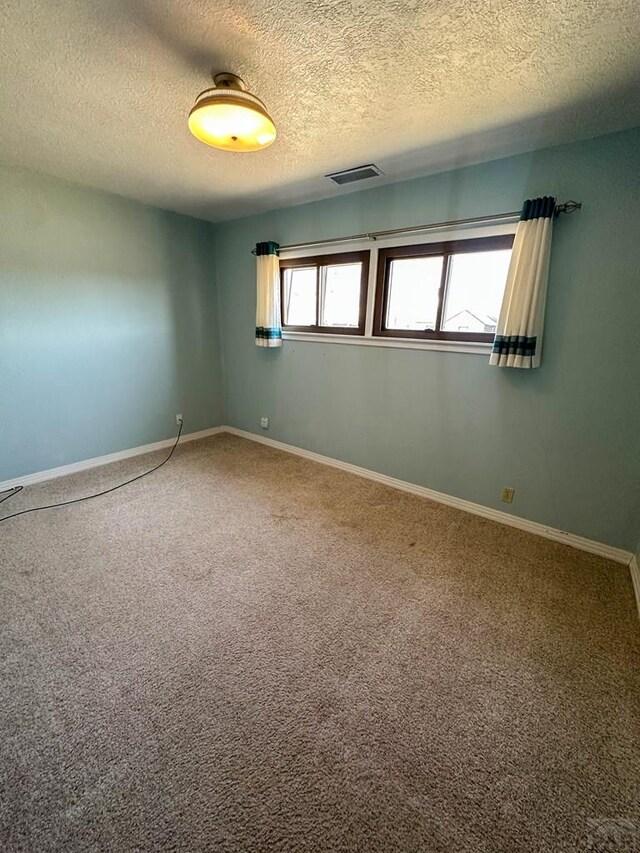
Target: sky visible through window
x,y
339,295
413,293
474,294
472,300
300,296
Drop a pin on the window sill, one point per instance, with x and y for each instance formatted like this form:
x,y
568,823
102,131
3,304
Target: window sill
x,y
471,348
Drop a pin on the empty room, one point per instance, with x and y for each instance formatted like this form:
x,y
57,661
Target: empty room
x,y
319,426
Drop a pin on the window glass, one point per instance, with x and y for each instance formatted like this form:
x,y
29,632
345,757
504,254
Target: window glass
x,y
412,298
325,293
450,290
340,295
474,291
300,296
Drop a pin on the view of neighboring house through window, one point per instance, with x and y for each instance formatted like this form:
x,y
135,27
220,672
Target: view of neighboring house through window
x,y
412,301
444,291
474,291
474,288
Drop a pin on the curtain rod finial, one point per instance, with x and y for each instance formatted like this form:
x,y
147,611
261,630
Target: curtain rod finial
x,y
568,206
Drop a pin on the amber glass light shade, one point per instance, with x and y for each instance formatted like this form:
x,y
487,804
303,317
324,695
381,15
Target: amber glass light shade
x,y
230,118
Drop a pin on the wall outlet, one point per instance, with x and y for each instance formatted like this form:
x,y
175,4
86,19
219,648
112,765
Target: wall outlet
x,y
179,420
264,423
507,494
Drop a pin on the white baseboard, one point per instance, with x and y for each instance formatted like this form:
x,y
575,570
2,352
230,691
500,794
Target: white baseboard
x,y
571,539
634,568
85,464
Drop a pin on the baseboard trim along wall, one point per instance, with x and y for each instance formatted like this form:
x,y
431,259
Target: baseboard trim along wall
x,y
85,464
571,539
634,568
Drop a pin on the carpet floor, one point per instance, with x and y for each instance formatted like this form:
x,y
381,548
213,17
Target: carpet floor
x,y
248,651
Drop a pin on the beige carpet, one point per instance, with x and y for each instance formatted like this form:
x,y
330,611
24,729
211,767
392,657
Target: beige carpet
x,y
250,652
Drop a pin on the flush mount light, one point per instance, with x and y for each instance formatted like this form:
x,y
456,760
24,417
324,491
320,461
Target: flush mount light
x,y
230,118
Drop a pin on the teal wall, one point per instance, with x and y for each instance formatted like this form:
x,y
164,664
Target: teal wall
x,y
108,324
565,436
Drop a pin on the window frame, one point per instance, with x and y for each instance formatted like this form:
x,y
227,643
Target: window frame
x,y
329,259
445,249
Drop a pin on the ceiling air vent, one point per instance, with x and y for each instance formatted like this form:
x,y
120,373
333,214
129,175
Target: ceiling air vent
x,y
359,173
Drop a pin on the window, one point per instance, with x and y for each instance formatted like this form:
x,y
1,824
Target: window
x,y
325,294
443,295
442,291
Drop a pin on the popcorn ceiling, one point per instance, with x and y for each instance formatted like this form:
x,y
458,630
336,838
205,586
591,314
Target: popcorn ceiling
x,y
98,92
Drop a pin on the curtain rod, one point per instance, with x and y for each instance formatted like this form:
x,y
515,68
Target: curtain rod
x,y
565,207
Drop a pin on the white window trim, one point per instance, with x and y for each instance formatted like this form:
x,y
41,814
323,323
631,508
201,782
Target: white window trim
x,y
472,348
369,339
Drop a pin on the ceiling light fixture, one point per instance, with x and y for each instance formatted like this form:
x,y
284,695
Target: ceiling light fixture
x,y
230,118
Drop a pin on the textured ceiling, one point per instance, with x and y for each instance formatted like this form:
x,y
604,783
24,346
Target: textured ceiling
x,y
98,91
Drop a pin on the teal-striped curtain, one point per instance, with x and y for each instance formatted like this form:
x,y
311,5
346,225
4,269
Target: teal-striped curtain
x,y
268,325
518,340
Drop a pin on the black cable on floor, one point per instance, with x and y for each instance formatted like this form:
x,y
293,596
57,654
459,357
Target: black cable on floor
x,y
11,493
87,497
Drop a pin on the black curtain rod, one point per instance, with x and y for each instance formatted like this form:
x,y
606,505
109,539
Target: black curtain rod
x,y
565,207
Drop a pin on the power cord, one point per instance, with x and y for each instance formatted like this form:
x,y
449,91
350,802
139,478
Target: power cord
x,y
87,497
12,492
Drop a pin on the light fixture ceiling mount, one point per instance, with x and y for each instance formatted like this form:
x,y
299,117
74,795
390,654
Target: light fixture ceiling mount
x,y
225,80
230,118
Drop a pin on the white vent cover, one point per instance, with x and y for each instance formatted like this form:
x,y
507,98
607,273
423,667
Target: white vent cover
x,y
358,173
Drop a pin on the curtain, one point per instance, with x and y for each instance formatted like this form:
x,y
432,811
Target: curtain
x,y
268,326
518,340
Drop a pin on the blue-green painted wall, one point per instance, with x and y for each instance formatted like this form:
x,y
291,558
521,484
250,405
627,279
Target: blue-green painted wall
x,y
108,324
565,436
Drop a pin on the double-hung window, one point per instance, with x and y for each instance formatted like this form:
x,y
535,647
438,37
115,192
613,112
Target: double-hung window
x,y
325,293
442,291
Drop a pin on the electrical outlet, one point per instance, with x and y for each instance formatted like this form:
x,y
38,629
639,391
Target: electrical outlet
x,y
264,423
507,494
179,420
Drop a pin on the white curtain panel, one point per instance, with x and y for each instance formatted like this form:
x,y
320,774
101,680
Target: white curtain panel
x,y
268,325
518,340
